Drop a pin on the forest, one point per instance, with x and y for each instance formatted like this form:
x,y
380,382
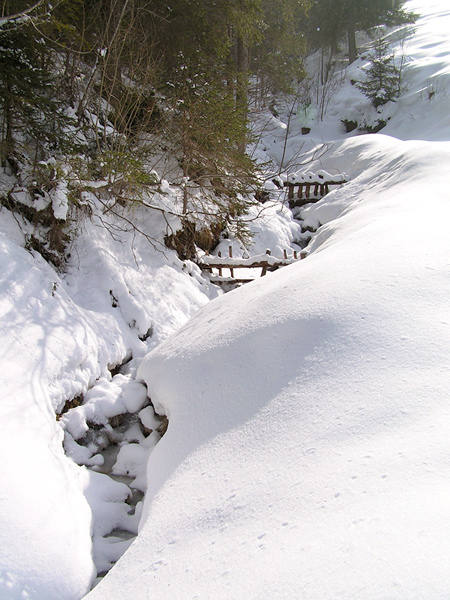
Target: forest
x,y
126,93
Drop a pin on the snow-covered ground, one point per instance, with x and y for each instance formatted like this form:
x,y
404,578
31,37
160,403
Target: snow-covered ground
x,y
62,338
307,449
307,442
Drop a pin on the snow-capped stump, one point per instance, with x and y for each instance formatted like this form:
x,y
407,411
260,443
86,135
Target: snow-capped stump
x,y
311,187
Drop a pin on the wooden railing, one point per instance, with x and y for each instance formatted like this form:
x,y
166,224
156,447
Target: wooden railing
x,y
266,262
303,189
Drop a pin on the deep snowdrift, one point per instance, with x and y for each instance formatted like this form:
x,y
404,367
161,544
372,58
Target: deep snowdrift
x,y
305,455
305,452
60,335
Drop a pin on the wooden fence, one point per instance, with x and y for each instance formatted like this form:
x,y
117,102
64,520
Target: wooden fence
x,y
215,265
306,189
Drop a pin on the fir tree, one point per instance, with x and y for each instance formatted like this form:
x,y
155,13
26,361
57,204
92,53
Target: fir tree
x,y
332,20
29,111
383,77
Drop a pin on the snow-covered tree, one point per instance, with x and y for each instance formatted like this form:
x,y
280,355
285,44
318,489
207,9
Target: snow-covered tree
x,y
383,77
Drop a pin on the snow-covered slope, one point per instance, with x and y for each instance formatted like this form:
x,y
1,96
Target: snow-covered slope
x,y
57,337
307,444
308,418
121,294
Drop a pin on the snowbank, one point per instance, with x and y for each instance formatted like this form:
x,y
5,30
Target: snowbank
x,y
308,411
58,336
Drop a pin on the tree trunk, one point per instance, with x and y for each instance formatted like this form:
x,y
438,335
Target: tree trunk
x,y
8,141
242,87
352,49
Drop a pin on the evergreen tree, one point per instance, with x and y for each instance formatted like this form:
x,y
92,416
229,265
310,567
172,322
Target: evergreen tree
x,y
29,111
278,54
332,20
383,77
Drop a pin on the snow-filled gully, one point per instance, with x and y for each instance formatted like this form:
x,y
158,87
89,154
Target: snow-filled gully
x,y
111,432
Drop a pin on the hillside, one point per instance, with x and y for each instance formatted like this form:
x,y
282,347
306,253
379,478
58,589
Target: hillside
x,y
306,442
308,411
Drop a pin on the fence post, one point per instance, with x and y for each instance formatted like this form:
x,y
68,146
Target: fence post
x,y
230,253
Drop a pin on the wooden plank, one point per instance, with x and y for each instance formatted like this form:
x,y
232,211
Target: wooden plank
x,y
303,202
289,184
230,281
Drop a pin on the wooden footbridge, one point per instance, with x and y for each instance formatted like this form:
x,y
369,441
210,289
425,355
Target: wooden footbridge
x,y
216,265
302,189
310,187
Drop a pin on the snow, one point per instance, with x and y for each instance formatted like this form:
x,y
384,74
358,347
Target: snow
x,y
148,419
306,454
320,177
58,338
109,398
307,416
60,201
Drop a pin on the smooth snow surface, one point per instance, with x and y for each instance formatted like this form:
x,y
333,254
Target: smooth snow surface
x,y
305,456
307,449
